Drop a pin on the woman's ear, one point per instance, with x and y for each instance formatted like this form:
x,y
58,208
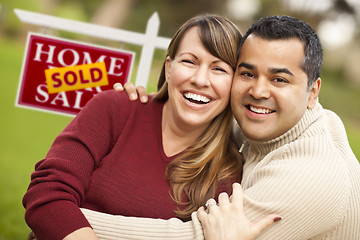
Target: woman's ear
x,y
167,68
314,93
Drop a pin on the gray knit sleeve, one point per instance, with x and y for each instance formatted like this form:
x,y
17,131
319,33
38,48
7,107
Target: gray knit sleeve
x,y
107,226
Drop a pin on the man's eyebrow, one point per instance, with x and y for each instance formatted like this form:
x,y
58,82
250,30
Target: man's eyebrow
x,y
281,70
272,70
246,65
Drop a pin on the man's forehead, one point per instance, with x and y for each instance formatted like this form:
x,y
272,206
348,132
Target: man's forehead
x,y
255,39
272,50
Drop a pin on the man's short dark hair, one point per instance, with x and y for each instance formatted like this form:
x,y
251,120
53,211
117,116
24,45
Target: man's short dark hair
x,y
286,27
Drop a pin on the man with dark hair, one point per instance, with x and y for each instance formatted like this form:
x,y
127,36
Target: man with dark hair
x,y
298,162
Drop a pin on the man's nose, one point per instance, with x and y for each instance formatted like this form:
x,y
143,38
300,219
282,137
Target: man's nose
x,y
260,89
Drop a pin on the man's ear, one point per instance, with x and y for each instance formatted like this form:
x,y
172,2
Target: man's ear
x,y
167,68
314,93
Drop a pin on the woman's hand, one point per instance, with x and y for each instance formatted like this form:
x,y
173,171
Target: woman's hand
x,y
133,92
85,233
80,234
227,220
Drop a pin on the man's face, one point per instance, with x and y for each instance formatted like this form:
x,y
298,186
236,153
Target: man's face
x,y
269,94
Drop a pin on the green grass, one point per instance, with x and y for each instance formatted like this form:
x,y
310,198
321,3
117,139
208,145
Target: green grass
x,y
26,135
343,98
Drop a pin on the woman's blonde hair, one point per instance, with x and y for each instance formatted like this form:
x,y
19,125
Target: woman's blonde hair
x,y
195,175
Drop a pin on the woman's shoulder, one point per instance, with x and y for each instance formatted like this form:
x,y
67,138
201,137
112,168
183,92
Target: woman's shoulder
x,y
119,102
116,101
112,95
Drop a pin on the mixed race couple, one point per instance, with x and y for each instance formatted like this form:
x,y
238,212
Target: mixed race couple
x,y
178,166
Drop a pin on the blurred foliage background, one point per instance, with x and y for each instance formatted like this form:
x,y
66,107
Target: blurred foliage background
x,y
26,135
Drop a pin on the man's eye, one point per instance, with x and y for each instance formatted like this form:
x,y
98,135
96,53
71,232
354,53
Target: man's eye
x,y
280,80
247,74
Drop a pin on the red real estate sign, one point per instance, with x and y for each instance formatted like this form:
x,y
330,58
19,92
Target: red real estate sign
x,y
61,76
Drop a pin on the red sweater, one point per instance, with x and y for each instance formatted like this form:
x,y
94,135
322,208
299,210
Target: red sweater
x,y
110,158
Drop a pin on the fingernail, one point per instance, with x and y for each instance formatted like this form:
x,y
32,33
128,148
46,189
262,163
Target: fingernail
x,y
143,99
118,86
132,96
277,219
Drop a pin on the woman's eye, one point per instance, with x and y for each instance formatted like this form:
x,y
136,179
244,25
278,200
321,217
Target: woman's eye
x,y
220,69
187,61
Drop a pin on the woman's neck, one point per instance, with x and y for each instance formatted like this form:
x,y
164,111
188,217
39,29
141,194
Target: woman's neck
x,y
176,134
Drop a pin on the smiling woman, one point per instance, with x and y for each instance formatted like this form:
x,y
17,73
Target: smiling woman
x,y
195,82
193,75
198,85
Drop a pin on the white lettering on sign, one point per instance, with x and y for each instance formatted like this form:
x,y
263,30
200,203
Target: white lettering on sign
x,y
39,51
61,98
78,58
113,66
74,53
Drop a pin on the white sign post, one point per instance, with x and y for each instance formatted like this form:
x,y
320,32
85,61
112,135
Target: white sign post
x,y
148,50
149,41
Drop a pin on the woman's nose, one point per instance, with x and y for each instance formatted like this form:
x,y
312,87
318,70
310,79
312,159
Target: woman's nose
x,y
201,77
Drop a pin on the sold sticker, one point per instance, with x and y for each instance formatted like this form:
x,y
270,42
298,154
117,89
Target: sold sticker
x,y
76,77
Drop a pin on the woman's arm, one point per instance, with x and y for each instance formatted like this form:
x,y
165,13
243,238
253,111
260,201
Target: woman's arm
x,y
59,182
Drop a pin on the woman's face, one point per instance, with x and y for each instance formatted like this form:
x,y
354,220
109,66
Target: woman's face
x,y
198,82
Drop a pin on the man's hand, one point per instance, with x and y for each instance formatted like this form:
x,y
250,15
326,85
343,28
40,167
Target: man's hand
x,y
133,92
227,220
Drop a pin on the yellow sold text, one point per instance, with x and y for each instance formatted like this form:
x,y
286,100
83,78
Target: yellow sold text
x,y
76,77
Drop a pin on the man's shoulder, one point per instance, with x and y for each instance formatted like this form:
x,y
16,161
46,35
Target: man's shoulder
x,y
336,133
314,162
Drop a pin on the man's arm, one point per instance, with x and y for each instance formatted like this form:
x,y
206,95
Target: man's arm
x,y
310,194
107,226
311,199
229,215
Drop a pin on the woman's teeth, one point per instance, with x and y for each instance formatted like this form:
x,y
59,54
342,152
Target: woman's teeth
x,y
196,97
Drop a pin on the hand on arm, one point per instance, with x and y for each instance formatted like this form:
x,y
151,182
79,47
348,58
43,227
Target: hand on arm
x,y
82,234
227,220
132,91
